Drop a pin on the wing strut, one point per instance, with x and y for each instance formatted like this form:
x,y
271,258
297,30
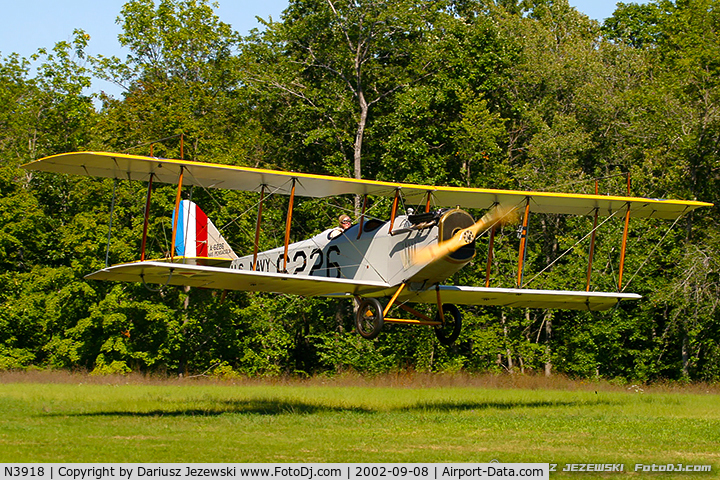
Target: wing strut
x,y
623,247
362,216
177,212
491,244
112,209
591,253
394,210
257,228
523,244
147,217
287,226
624,239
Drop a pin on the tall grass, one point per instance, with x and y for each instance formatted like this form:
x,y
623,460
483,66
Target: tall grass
x,y
61,417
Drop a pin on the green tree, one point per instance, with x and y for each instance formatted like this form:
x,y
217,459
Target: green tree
x,y
504,94
41,115
675,140
181,77
335,62
634,24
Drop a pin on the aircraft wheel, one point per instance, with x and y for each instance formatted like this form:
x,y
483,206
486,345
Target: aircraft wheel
x,y
369,320
448,333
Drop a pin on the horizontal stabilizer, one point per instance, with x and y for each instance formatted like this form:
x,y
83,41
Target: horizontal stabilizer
x,y
522,297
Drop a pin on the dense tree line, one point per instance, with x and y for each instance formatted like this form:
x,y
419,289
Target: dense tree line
x,y
514,94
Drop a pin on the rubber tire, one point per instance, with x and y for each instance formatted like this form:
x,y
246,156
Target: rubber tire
x,y
441,332
363,321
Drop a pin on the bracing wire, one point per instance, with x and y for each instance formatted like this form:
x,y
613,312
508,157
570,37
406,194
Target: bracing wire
x,y
570,249
112,210
237,217
652,251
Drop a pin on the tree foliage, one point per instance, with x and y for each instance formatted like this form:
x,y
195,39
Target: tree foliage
x,y
506,94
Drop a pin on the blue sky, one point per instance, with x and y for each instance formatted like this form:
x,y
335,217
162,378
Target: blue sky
x,y
27,25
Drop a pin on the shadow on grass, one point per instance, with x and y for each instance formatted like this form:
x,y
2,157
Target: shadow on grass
x,y
285,407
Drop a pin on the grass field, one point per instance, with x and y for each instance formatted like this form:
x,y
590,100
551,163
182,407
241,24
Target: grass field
x,y
58,417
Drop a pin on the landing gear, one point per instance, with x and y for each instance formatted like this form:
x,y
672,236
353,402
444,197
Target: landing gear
x,y
369,319
447,332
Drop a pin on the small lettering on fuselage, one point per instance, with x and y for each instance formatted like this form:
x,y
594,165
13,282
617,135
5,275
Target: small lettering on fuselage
x,y
219,250
299,262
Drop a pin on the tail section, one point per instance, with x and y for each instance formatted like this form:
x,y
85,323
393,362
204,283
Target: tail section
x,y
197,237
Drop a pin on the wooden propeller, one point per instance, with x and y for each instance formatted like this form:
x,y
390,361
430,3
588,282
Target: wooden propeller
x,y
496,215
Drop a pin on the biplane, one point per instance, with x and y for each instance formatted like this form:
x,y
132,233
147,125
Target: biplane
x,y
405,258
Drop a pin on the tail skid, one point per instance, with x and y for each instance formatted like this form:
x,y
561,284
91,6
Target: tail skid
x,y
197,237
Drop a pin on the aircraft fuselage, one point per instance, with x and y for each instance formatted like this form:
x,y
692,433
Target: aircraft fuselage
x,y
375,255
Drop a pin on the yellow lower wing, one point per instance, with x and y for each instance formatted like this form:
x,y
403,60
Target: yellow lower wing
x,y
164,273
523,298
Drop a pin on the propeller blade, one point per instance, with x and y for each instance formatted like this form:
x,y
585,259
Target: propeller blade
x,y
499,214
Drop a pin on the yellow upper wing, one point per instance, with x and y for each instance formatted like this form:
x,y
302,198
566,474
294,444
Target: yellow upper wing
x,y
209,175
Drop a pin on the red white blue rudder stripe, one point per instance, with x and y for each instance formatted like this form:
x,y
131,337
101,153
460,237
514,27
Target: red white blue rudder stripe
x,y
197,237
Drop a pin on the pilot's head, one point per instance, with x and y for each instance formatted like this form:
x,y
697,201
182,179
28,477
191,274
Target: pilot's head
x,y
344,222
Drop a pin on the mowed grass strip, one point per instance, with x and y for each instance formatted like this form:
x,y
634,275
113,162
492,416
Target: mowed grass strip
x,y
334,422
